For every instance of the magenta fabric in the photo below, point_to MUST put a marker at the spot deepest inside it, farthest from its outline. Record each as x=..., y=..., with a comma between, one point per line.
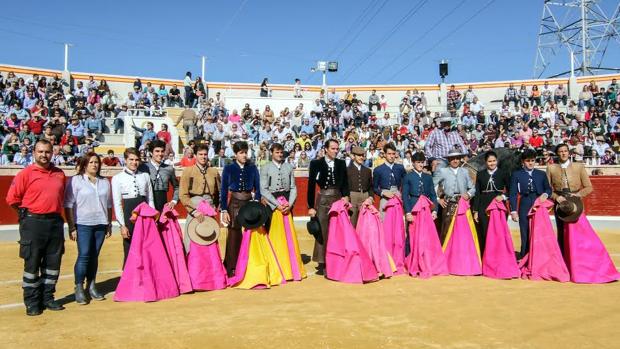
x=173, y=242
x=586, y=257
x=394, y=228
x=147, y=276
x=290, y=243
x=370, y=231
x=461, y=251
x=426, y=258
x=499, y=260
x=544, y=261
x=204, y=262
x=346, y=259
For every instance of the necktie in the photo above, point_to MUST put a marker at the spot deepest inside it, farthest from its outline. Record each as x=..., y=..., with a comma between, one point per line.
x=420, y=185
x=565, y=184
x=530, y=183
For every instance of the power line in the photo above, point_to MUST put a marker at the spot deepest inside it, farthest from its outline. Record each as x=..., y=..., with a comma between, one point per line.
x=440, y=41
x=231, y=20
x=362, y=27
x=403, y=52
x=415, y=9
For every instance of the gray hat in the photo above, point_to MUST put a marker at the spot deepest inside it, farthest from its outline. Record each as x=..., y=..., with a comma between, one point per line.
x=454, y=154
x=445, y=117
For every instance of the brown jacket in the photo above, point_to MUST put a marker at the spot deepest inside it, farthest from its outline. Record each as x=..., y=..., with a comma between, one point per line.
x=194, y=183
x=578, y=179
x=359, y=180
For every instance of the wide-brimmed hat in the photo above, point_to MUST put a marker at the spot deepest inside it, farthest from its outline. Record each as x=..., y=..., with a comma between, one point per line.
x=570, y=209
x=205, y=232
x=252, y=215
x=454, y=153
x=314, y=228
x=444, y=119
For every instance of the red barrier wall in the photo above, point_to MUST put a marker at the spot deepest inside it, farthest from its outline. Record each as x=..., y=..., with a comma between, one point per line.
x=602, y=201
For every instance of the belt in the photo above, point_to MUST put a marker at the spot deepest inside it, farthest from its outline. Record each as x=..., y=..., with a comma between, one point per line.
x=360, y=192
x=329, y=191
x=454, y=198
x=44, y=215
x=203, y=194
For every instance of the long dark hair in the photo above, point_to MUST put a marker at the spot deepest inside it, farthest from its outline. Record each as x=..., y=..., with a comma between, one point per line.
x=83, y=163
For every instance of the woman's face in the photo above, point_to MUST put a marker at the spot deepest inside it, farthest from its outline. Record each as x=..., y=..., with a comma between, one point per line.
x=93, y=165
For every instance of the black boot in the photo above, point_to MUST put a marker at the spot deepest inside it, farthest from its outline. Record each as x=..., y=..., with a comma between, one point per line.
x=94, y=293
x=33, y=310
x=53, y=305
x=80, y=295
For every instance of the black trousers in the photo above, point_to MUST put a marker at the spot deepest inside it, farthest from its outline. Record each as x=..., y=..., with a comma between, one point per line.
x=160, y=198
x=559, y=224
x=128, y=206
x=41, y=245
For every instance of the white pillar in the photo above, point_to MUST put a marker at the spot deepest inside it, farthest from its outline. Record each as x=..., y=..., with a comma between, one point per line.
x=203, y=68
x=66, y=57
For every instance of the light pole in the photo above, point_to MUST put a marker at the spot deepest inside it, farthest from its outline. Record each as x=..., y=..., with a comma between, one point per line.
x=324, y=67
x=204, y=59
x=67, y=56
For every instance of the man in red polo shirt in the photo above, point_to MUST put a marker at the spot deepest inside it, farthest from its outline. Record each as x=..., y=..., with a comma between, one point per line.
x=37, y=194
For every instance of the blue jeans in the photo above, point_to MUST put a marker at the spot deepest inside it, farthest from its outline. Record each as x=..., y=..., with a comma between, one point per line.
x=89, y=241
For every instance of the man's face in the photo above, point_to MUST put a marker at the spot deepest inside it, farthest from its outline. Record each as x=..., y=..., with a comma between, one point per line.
x=332, y=151
x=455, y=162
x=277, y=155
x=390, y=155
x=242, y=156
x=359, y=159
x=158, y=154
x=563, y=154
x=418, y=165
x=132, y=162
x=201, y=157
x=529, y=163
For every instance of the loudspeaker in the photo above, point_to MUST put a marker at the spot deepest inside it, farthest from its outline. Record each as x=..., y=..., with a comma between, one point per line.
x=443, y=69
x=332, y=66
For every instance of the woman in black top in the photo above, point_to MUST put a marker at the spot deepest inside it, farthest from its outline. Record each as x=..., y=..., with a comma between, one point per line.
x=264, y=89
x=492, y=183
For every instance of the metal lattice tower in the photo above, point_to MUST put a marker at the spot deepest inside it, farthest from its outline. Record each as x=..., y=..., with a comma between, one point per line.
x=579, y=29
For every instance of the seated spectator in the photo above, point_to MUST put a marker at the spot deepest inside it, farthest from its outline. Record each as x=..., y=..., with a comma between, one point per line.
x=511, y=95
x=188, y=158
x=164, y=134
x=111, y=159
x=609, y=158
x=57, y=158
x=600, y=145
x=586, y=98
x=26, y=133
x=23, y=157
x=523, y=95
x=11, y=147
x=560, y=94
x=454, y=98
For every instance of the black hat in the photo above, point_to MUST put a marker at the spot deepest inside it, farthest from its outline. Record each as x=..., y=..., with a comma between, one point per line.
x=252, y=215
x=570, y=209
x=314, y=228
x=418, y=156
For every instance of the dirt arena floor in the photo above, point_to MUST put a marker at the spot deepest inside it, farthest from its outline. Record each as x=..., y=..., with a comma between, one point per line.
x=403, y=312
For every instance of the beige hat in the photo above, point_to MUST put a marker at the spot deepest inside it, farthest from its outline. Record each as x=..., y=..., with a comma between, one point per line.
x=204, y=233
x=357, y=151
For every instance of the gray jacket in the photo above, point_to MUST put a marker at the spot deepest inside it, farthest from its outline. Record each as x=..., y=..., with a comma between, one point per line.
x=454, y=184
x=160, y=178
x=274, y=179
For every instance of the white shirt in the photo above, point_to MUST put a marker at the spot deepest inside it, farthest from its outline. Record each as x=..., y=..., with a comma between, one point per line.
x=129, y=185
x=330, y=163
x=80, y=195
x=565, y=164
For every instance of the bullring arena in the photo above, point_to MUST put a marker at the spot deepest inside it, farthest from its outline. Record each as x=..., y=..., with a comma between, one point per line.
x=440, y=174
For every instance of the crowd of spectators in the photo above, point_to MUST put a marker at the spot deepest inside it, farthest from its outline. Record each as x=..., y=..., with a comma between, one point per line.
x=529, y=117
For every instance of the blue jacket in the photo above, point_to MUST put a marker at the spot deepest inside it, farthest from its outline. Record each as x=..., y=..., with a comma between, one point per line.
x=230, y=181
x=411, y=190
x=382, y=178
x=519, y=185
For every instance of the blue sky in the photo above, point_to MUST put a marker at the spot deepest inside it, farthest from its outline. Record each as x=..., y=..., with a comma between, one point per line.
x=374, y=41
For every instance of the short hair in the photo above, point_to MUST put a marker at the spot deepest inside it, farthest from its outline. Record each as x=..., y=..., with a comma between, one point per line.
x=389, y=146
x=418, y=156
x=201, y=147
x=44, y=142
x=240, y=146
x=560, y=146
x=130, y=151
x=488, y=154
x=277, y=146
x=329, y=141
x=110, y=151
x=528, y=154
x=157, y=144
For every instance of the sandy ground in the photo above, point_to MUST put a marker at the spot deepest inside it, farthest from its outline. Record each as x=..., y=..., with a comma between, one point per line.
x=403, y=312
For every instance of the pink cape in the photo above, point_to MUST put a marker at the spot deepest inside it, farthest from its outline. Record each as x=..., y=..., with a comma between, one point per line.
x=370, y=232
x=461, y=245
x=499, y=260
x=586, y=256
x=426, y=258
x=345, y=257
x=173, y=242
x=394, y=228
x=204, y=262
x=147, y=276
x=544, y=260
